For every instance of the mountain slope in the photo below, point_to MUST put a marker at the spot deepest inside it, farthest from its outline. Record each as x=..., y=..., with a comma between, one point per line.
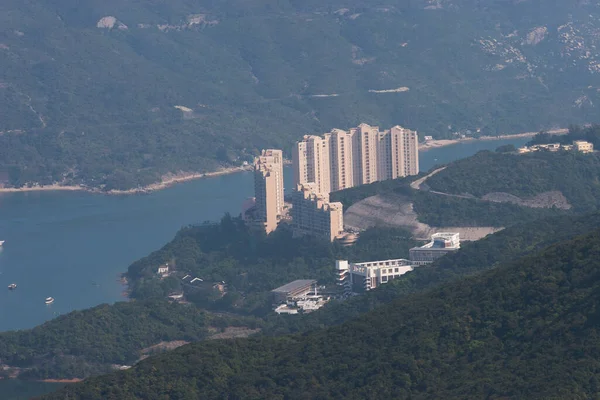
x=85, y=343
x=527, y=330
x=90, y=89
x=93, y=341
x=567, y=180
x=474, y=257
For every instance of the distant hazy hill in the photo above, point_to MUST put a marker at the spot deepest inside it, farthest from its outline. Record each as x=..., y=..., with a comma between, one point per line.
x=526, y=330
x=117, y=93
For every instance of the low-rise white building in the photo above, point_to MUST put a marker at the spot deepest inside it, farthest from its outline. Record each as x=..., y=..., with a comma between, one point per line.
x=583, y=146
x=578, y=145
x=163, y=270
x=441, y=244
x=360, y=277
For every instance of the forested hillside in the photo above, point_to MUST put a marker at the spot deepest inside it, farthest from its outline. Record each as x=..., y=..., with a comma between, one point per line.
x=572, y=178
x=251, y=263
x=525, y=330
x=590, y=134
x=497, y=188
x=474, y=257
x=89, y=342
x=85, y=343
x=114, y=94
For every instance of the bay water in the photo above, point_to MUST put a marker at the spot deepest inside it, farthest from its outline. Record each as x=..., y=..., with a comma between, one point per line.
x=73, y=246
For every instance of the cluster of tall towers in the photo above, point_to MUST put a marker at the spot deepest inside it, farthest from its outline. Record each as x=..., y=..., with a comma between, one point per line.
x=322, y=164
x=343, y=159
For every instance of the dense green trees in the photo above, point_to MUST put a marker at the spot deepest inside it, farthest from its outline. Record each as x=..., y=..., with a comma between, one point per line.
x=88, y=342
x=252, y=263
x=473, y=257
x=440, y=211
x=97, y=106
x=527, y=329
x=575, y=175
x=590, y=134
x=353, y=195
x=85, y=343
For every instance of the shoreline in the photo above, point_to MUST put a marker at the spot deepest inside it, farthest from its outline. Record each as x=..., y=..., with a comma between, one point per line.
x=172, y=179
x=437, y=143
x=167, y=181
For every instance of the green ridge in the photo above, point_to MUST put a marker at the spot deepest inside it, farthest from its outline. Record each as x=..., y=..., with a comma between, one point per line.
x=526, y=330
x=95, y=106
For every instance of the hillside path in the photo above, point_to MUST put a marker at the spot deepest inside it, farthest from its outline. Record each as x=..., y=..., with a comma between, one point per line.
x=397, y=211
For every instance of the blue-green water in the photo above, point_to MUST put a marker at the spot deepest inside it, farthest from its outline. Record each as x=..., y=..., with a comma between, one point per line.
x=22, y=390
x=73, y=245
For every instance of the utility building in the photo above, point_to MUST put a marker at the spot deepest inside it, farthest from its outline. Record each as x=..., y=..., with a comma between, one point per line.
x=441, y=244
x=365, y=276
x=296, y=288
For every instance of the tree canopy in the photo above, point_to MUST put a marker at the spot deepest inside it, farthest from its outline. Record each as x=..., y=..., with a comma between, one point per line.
x=115, y=94
x=526, y=329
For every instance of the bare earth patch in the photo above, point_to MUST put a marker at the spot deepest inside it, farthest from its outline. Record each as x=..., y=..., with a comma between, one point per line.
x=397, y=211
x=543, y=200
x=162, y=347
x=233, y=332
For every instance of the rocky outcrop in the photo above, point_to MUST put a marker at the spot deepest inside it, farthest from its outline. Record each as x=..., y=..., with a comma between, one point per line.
x=110, y=22
x=397, y=211
x=536, y=35
x=553, y=199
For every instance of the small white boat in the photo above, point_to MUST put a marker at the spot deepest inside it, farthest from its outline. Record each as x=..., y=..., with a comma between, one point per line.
x=1, y=242
x=12, y=286
x=49, y=300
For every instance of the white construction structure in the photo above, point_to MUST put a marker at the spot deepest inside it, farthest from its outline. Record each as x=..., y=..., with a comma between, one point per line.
x=361, y=277
x=441, y=244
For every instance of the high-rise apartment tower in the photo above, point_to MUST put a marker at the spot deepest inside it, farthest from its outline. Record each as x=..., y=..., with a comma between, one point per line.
x=313, y=214
x=311, y=162
x=343, y=159
x=268, y=188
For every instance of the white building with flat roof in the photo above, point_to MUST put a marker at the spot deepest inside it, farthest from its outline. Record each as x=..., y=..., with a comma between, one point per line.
x=578, y=145
x=441, y=244
x=583, y=146
x=297, y=288
x=361, y=277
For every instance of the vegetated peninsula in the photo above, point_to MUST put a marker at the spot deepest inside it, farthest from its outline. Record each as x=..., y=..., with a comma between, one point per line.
x=488, y=190
x=234, y=268
x=524, y=330
x=563, y=180
x=119, y=94
x=87, y=343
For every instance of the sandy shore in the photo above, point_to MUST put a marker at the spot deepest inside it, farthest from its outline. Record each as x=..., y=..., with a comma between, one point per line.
x=45, y=188
x=73, y=380
x=167, y=181
x=434, y=144
x=172, y=179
